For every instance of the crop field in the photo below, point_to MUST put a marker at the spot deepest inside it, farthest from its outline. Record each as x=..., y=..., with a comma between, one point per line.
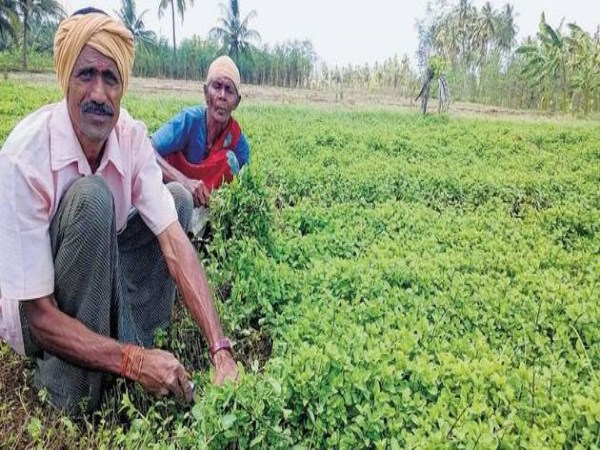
x=389, y=281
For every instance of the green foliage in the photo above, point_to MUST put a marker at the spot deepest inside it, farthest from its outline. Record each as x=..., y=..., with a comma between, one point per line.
x=465, y=35
x=243, y=224
x=18, y=101
x=29, y=25
x=563, y=70
x=176, y=6
x=552, y=72
x=8, y=19
x=36, y=61
x=42, y=15
x=438, y=65
x=425, y=282
x=243, y=210
x=289, y=64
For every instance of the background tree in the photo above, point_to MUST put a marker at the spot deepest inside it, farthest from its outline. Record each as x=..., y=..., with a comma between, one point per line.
x=477, y=43
x=563, y=70
x=8, y=21
x=545, y=64
x=144, y=39
x=426, y=29
x=181, y=8
x=468, y=37
x=233, y=32
x=435, y=69
x=506, y=32
x=41, y=36
x=35, y=11
x=485, y=31
x=584, y=59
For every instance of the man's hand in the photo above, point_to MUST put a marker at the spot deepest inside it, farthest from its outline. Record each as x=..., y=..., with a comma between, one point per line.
x=199, y=191
x=162, y=374
x=225, y=367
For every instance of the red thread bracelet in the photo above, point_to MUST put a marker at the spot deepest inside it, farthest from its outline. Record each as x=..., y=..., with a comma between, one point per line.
x=132, y=360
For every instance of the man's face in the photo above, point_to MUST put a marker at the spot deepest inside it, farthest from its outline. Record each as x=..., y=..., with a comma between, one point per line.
x=221, y=99
x=94, y=97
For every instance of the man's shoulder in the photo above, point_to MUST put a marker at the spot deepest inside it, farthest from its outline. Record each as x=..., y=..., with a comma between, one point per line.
x=38, y=118
x=127, y=121
x=129, y=129
x=31, y=133
x=44, y=112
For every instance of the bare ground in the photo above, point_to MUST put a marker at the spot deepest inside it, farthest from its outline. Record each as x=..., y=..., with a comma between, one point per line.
x=14, y=395
x=328, y=98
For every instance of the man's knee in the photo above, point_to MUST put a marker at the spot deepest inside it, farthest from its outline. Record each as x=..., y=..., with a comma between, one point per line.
x=184, y=204
x=91, y=201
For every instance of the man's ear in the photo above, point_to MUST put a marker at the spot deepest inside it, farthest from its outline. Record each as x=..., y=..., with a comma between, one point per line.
x=239, y=99
x=205, y=93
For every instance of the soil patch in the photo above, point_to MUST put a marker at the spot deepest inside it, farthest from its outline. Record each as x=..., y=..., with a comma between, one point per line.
x=327, y=98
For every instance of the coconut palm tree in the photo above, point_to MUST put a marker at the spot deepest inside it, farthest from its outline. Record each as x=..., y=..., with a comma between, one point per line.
x=143, y=38
x=485, y=30
x=233, y=32
x=466, y=18
x=181, y=8
x=8, y=19
x=507, y=30
x=35, y=10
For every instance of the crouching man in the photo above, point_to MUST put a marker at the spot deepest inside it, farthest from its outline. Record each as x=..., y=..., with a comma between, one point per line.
x=93, y=243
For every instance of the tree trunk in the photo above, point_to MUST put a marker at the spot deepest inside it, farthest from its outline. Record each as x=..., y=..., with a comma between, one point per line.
x=174, y=71
x=25, y=25
x=586, y=97
x=424, y=93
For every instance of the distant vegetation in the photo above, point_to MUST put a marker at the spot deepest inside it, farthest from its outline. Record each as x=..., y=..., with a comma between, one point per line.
x=558, y=70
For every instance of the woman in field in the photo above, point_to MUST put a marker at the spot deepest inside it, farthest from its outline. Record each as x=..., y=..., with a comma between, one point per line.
x=203, y=146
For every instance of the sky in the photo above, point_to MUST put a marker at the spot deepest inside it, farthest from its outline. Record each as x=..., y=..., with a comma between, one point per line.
x=346, y=31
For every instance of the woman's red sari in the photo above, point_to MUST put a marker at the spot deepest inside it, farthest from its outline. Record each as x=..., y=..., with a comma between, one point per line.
x=215, y=168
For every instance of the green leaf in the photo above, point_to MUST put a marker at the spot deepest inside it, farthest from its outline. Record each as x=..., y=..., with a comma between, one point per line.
x=228, y=420
x=257, y=440
x=276, y=386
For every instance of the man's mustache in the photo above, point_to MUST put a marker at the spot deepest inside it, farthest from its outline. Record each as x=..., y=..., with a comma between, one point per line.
x=97, y=108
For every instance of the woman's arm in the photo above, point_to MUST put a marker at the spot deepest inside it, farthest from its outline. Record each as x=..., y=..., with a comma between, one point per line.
x=196, y=187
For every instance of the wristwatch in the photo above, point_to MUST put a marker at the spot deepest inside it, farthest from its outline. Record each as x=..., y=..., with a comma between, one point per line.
x=222, y=344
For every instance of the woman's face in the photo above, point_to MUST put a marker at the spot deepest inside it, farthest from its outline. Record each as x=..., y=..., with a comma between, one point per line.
x=221, y=99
